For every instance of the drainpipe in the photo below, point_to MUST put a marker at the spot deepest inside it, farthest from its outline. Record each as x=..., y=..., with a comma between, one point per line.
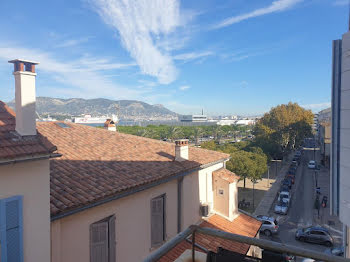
x=179, y=203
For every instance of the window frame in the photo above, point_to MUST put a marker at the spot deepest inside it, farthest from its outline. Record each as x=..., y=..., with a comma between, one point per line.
x=112, y=250
x=155, y=245
x=3, y=227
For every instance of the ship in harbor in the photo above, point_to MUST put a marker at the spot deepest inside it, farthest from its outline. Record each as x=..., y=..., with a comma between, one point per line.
x=88, y=119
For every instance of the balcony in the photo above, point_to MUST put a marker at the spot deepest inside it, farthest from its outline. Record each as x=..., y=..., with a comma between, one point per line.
x=271, y=250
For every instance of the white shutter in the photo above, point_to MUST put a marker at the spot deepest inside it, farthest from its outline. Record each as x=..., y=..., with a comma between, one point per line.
x=157, y=221
x=99, y=242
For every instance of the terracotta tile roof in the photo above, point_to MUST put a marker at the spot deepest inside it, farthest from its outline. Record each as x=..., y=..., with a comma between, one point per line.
x=226, y=175
x=243, y=225
x=97, y=163
x=12, y=145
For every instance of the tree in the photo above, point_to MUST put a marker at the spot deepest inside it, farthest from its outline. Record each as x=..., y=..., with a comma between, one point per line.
x=241, y=164
x=197, y=133
x=248, y=164
x=211, y=145
x=175, y=132
x=283, y=129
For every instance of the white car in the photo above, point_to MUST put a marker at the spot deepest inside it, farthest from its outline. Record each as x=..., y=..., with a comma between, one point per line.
x=312, y=164
x=282, y=208
x=284, y=196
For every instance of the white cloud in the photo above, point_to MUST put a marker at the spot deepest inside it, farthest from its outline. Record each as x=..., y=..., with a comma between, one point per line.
x=183, y=88
x=241, y=84
x=316, y=107
x=341, y=2
x=192, y=55
x=82, y=74
x=147, y=83
x=140, y=25
x=183, y=108
x=242, y=55
x=72, y=42
x=276, y=6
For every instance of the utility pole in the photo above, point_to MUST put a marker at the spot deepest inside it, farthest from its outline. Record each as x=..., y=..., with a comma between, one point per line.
x=253, y=191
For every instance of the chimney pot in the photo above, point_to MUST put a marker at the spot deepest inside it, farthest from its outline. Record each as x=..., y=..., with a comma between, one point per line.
x=110, y=125
x=25, y=96
x=181, y=150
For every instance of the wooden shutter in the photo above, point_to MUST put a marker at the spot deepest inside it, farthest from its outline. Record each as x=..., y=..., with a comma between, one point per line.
x=157, y=221
x=112, y=239
x=99, y=242
x=11, y=229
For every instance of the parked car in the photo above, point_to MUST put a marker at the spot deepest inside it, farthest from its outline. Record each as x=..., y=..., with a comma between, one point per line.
x=312, y=164
x=287, y=182
x=295, y=163
x=283, y=196
x=282, y=208
x=269, y=225
x=335, y=251
x=284, y=188
x=317, y=235
x=291, y=171
x=292, y=177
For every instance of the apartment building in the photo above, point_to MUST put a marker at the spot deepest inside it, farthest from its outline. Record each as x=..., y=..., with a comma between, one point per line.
x=24, y=175
x=340, y=148
x=109, y=196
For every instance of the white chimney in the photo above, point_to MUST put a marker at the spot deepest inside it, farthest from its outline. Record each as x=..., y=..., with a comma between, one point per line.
x=24, y=72
x=110, y=125
x=181, y=150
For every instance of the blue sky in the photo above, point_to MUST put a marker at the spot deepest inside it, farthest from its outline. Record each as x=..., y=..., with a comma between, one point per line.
x=227, y=57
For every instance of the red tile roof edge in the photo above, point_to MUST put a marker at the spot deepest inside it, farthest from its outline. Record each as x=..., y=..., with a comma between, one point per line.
x=216, y=242
x=124, y=193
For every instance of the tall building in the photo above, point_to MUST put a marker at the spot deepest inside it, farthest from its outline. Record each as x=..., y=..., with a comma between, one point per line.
x=335, y=145
x=340, y=150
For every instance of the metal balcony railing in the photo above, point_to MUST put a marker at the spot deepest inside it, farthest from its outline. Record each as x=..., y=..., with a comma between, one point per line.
x=264, y=244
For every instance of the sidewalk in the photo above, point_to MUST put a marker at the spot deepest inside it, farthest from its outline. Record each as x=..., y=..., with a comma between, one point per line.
x=325, y=218
x=265, y=204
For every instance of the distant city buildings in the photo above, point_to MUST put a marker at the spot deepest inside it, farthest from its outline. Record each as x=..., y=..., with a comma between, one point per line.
x=193, y=118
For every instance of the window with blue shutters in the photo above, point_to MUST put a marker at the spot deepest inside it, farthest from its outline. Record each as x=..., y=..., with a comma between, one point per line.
x=11, y=229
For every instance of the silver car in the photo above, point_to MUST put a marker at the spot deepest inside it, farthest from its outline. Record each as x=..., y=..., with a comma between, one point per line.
x=318, y=235
x=269, y=225
x=284, y=196
x=282, y=208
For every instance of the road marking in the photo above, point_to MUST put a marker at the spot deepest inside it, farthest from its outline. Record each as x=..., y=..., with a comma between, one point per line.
x=333, y=229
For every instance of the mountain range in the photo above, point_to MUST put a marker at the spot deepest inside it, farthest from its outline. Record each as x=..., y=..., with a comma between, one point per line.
x=125, y=109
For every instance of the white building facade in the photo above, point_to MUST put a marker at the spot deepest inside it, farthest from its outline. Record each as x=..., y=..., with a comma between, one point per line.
x=340, y=149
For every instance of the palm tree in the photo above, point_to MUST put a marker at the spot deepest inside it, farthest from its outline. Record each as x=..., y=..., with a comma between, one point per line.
x=175, y=132
x=198, y=132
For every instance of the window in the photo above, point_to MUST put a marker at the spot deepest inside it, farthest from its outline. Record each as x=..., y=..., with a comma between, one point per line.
x=320, y=233
x=11, y=229
x=102, y=240
x=267, y=223
x=220, y=192
x=157, y=220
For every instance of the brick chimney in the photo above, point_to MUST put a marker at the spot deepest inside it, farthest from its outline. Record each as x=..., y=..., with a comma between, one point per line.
x=24, y=72
x=110, y=125
x=181, y=150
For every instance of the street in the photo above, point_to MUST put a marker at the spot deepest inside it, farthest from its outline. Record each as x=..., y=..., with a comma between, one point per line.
x=302, y=212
